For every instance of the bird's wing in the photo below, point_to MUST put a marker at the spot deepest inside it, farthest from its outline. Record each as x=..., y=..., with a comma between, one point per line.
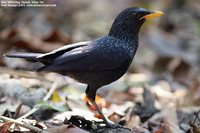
x=107, y=60
x=88, y=58
x=49, y=57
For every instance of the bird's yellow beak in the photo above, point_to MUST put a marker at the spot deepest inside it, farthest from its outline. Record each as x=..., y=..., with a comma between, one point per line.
x=154, y=14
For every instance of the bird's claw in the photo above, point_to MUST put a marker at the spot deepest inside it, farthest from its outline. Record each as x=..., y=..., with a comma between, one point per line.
x=109, y=125
x=113, y=125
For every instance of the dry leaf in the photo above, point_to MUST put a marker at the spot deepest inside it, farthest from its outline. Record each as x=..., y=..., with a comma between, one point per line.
x=56, y=36
x=5, y=127
x=56, y=97
x=99, y=100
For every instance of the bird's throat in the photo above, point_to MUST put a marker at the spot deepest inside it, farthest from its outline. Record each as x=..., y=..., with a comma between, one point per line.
x=125, y=35
x=125, y=32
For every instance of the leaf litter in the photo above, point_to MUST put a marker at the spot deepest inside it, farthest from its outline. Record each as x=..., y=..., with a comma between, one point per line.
x=158, y=95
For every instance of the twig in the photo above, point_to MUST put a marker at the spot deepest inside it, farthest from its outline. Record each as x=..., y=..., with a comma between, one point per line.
x=35, y=108
x=51, y=90
x=21, y=73
x=31, y=128
x=197, y=116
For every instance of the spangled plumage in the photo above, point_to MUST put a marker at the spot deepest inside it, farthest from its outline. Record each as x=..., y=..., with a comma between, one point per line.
x=89, y=57
x=98, y=62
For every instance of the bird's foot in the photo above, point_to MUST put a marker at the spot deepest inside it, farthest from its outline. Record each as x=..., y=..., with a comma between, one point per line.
x=109, y=124
x=114, y=125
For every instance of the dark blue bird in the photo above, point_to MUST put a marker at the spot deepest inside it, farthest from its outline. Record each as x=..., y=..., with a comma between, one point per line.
x=101, y=61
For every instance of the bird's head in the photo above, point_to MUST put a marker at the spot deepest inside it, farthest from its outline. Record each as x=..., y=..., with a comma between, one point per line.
x=128, y=22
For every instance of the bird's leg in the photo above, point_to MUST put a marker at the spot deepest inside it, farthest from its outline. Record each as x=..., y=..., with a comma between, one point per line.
x=100, y=112
x=91, y=94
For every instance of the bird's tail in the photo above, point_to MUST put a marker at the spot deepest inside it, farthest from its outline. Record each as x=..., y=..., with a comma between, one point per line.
x=28, y=56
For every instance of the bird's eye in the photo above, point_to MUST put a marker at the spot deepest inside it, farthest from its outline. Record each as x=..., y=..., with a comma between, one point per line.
x=133, y=15
x=137, y=15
